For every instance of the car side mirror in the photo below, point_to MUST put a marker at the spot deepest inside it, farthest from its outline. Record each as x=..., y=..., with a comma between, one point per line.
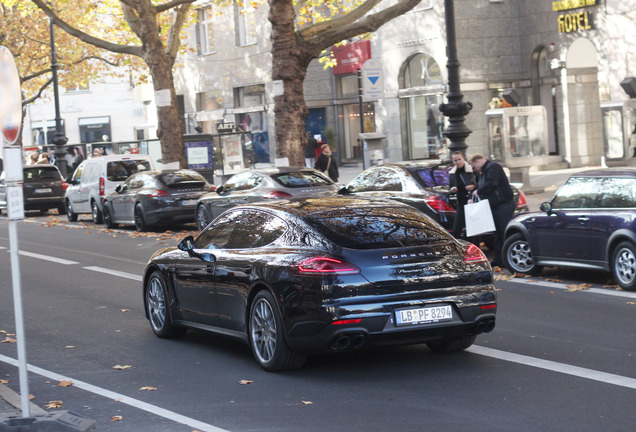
x=219, y=190
x=546, y=207
x=344, y=190
x=118, y=189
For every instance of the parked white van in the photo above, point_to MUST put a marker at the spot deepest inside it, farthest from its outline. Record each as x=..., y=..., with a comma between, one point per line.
x=97, y=177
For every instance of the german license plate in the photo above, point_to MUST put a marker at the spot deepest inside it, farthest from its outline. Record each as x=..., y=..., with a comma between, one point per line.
x=188, y=203
x=430, y=314
x=44, y=190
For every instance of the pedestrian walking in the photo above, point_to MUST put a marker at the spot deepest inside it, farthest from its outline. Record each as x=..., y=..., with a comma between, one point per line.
x=52, y=157
x=462, y=183
x=310, y=150
x=493, y=185
x=326, y=163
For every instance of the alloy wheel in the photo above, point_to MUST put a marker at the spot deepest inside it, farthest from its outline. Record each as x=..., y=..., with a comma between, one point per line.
x=520, y=256
x=263, y=331
x=156, y=303
x=625, y=266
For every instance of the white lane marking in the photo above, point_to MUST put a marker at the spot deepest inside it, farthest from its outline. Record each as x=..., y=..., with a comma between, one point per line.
x=47, y=258
x=562, y=286
x=563, y=368
x=136, y=403
x=115, y=273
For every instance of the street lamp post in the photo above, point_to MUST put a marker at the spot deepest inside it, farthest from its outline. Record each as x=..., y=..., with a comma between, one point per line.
x=455, y=109
x=59, y=139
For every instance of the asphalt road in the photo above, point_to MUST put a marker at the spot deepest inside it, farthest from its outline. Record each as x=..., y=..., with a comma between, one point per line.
x=562, y=357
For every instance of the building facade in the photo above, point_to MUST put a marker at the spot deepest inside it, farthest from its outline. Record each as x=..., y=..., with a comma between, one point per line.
x=568, y=57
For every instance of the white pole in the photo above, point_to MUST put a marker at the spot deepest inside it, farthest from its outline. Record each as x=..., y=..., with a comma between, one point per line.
x=566, y=115
x=19, y=320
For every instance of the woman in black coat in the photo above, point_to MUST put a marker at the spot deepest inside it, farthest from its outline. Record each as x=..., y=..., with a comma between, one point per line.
x=326, y=163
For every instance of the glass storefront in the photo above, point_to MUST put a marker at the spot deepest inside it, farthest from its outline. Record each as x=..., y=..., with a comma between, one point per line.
x=421, y=95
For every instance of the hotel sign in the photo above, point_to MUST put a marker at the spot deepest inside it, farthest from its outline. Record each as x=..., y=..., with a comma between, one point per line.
x=570, y=22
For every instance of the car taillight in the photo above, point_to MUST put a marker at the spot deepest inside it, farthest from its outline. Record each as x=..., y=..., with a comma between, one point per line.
x=347, y=321
x=326, y=265
x=474, y=255
x=158, y=194
x=64, y=185
x=438, y=204
x=523, y=203
x=276, y=195
x=102, y=187
x=212, y=188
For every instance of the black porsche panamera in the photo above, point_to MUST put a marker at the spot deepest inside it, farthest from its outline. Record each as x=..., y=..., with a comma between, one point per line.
x=292, y=277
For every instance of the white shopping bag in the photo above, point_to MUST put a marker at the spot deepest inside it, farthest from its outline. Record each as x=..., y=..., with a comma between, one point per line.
x=478, y=218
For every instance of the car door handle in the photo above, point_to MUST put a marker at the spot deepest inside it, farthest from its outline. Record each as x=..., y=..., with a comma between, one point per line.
x=247, y=269
x=209, y=269
x=583, y=219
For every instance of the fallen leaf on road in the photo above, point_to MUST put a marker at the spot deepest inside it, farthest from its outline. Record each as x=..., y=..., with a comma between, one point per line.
x=3, y=381
x=630, y=303
x=65, y=383
x=8, y=340
x=31, y=397
x=120, y=367
x=124, y=310
x=69, y=346
x=579, y=287
x=53, y=404
x=116, y=418
x=148, y=388
x=554, y=280
x=551, y=292
x=502, y=277
x=243, y=382
x=307, y=402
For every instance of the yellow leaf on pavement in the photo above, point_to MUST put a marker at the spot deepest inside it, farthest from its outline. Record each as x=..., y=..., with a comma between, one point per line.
x=53, y=404
x=120, y=367
x=65, y=383
x=243, y=382
x=116, y=418
x=148, y=388
x=8, y=340
x=3, y=381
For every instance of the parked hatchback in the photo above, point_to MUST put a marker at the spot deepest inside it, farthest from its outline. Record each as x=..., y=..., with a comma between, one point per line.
x=590, y=223
x=97, y=177
x=151, y=198
x=43, y=188
x=423, y=185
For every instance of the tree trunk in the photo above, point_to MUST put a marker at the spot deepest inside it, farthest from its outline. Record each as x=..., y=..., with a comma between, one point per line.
x=170, y=127
x=290, y=61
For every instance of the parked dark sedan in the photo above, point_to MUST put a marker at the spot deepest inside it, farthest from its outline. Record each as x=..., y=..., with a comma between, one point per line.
x=263, y=184
x=150, y=198
x=590, y=224
x=423, y=185
x=291, y=277
x=43, y=188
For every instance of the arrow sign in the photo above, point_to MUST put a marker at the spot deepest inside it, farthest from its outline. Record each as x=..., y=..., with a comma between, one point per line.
x=10, y=96
x=372, y=82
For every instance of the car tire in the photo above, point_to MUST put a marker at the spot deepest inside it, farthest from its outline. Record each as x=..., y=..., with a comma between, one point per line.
x=624, y=265
x=156, y=301
x=140, y=221
x=517, y=255
x=96, y=213
x=72, y=217
x=450, y=345
x=108, y=218
x=202, y=217
x=266, y=336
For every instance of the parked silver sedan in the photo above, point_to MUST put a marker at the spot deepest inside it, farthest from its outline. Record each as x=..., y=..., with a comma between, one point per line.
x=263, y=184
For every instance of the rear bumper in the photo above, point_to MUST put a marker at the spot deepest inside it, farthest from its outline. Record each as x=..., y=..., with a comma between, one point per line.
x=169, y=215
x=473, y=314
x=43, y=203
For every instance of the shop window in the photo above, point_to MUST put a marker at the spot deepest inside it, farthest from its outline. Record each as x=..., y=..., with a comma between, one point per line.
x=94, y=129
x=205, y=31
x=421, y=70
x=250, y=96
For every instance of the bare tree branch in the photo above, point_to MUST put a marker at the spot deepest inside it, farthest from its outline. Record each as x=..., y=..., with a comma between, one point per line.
x=311, y=30
x=173, y=3
x=180, y=16
x=39, y=93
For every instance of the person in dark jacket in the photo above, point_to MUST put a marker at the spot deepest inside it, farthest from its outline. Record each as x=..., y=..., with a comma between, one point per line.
x=310, y=150
x=494, y=186
x=326, y=163
x=462, y=183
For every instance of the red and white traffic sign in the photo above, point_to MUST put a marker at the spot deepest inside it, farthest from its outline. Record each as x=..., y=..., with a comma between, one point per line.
x=10, y=96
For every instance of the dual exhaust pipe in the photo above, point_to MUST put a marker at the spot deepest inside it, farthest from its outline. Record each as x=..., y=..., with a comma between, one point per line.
x=348, y=341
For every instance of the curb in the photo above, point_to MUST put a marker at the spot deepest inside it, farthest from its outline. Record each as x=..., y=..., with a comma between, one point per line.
x=10, y=403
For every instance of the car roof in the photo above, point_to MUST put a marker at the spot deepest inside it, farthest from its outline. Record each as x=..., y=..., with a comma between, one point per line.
x=118, y=157
x=308, y=206
x=429, y=163
x=277, y=170
x=608, y=172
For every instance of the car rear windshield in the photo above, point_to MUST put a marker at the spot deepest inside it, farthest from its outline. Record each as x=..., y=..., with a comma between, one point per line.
x=433, y=176
x=39, y=174
x=377, y=228
x=121, y=170
x=181, y=178
x=299, y=179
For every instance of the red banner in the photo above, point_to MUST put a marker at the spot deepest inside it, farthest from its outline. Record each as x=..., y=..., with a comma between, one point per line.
x=351, y=57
